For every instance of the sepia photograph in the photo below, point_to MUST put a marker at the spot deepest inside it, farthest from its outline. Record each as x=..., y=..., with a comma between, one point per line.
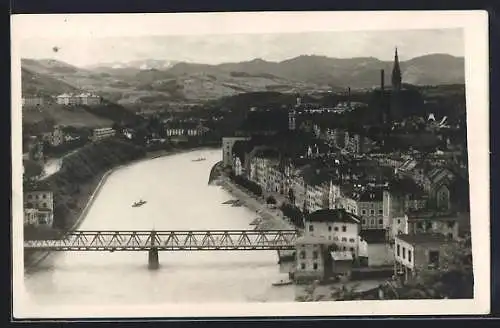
x=250, y=164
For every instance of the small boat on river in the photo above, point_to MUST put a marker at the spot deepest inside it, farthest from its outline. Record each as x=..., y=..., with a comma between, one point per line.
x=139, y=203
x=199, y=159
x=282, y=283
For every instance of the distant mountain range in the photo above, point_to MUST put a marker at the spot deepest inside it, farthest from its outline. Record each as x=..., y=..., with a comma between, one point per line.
x=137, y=64
x=151, y=81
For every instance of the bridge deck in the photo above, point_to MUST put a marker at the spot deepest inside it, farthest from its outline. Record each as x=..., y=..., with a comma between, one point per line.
x=222, y=240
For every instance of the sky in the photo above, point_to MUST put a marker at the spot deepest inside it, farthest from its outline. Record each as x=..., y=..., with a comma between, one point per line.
x=83, y=41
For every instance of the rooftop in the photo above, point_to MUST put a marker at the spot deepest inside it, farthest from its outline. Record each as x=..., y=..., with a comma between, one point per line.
x=341, y=256
x=332, y=215
x=427, y=215
x=423, y=238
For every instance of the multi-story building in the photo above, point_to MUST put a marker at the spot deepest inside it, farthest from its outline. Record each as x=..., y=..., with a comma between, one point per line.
x=367, y=203
x=56, y=137
x=237, y=166
x=311, y=258
x=399, y=198
x=189, y=129
x=88, y=99
x=317, y=188
x=444, y=223
x=41, y=199
x=416, y=252
x=30, y=217
x=264, y=170
x=32, y=101
x=102, y=133
x=339, y=227
x=357, y=144
x=42, y=204
x=69, y=99
x=334, y=194
x=227, y=148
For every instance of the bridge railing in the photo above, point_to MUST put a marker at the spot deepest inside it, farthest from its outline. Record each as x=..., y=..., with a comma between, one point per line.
x=170, y=240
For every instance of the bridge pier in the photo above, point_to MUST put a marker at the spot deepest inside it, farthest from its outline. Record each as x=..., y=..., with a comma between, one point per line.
x=153, y=260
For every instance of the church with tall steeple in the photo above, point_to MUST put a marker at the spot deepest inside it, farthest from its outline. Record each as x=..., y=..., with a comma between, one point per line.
x=396, y=73
x=396, y=101
x=394, y=106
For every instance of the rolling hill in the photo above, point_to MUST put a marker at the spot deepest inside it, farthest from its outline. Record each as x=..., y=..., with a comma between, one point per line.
x=158, y=82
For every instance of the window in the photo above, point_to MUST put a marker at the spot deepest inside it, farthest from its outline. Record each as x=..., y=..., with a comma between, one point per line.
x=364, y=221
x=315, y=266
x=302, y=254
x=450, y=235
x=344, y=228
x=404, y=253
x=372, y=212
x=380, y=212
x=451, y=224
x=336, y=238
x=44, y=196
x=311, y=228
x=372, y=222
x=434, y=258
x=363, y=212
x=329, y=228
x=380, y=221
x=315, y=255
x=44, y=205
x=344, y=239
x=336, y=228
x=352, y=240
x=37, y=196
x=397, y=250
x=399, y=221
x=409, y=255
x=351, y=249
x=302, y=266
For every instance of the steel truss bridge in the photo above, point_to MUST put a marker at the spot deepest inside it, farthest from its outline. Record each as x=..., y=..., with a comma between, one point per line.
x=153, y=241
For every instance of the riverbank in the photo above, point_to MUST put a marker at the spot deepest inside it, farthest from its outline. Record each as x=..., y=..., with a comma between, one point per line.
x=89, y=192
x=271, y=219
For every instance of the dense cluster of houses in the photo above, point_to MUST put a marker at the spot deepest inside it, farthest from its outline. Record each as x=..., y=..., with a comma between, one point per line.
x=66, y=99
x=410, y=200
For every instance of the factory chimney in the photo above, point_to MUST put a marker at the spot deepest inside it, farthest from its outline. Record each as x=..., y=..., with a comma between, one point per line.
x=382, y=80
x=349, y=97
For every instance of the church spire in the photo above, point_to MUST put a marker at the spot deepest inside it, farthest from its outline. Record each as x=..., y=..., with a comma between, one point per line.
x=396, y=72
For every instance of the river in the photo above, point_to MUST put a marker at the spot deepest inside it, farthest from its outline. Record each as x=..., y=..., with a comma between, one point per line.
x=178, y=198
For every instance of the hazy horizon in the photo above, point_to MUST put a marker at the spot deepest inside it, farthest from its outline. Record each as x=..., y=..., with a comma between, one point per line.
x=87, y=51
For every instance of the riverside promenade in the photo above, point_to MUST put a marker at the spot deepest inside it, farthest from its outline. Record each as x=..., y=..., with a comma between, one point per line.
x=272, y=219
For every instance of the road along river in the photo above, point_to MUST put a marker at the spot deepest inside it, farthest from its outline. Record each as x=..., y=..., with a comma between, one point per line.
x=178, y=198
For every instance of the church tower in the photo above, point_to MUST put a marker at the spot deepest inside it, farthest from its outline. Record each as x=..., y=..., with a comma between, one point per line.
x=396, y=73
x=394, y=110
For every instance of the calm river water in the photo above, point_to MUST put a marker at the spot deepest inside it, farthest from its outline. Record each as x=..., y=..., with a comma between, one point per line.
x=178, y=198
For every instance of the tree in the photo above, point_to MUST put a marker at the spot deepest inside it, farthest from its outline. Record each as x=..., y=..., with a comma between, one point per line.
x=270, y=200
x=32, y=169
x=454, y=278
